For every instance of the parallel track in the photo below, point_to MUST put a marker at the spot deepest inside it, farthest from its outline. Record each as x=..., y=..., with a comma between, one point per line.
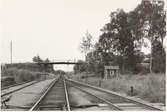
x=116, y=101
x=17, y=89
x=14, y=85
x=98, y=100
x=54, y=98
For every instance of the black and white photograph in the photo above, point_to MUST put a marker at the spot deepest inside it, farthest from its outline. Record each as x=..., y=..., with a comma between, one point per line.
x=83, y=55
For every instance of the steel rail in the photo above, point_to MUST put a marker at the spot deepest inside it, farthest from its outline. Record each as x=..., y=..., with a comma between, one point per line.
x=35, y=106
x=142, y=103
x=102, y=99
x=66, y=95
x=14, y=85
x=18, y=89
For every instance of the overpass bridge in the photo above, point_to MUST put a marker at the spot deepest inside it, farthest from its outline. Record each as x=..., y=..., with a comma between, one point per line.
x=53, y=62
x=60, y=62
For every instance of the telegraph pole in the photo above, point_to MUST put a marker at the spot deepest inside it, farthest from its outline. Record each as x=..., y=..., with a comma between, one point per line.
x=11, y=51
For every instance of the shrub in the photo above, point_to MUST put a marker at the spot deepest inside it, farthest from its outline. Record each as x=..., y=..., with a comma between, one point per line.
x=150, y=87
x=22, y=75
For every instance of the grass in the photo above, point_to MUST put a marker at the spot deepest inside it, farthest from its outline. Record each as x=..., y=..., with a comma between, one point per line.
x=149, y=87
x=14, y=75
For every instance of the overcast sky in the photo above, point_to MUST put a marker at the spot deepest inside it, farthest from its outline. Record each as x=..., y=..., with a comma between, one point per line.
x=52, y=28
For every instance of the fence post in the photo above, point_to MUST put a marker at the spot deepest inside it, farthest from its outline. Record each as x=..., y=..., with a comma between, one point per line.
x=131, y=90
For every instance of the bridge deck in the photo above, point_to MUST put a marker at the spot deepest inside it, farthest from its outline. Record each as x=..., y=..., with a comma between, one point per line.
x=59, y=63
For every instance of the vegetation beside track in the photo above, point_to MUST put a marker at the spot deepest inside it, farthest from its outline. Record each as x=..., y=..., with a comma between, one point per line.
x=24, y=72
x=15, y=76
x=120, y=44
x=150, y=87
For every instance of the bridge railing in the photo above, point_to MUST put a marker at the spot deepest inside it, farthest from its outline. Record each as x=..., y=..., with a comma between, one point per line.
x=55, y=60
x=61, y=60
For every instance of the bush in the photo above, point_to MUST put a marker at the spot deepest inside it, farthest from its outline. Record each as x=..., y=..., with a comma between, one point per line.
x=22, y=75
x=150, y=87
x=154, y=88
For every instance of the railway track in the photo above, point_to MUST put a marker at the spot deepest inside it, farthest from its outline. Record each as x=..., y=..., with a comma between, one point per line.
x=111, y=99
x=14, y=88
x=54, y=98
x=14, y=85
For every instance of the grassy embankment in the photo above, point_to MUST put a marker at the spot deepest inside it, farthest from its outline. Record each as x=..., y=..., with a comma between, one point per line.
x=150, y=87
x=21, y=73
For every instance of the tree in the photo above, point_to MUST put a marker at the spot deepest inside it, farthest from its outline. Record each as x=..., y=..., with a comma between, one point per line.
x=151, y=17
x=86, y=44
x=43, y=67
x=80, y=67
x=158, y=55
x=59, y=72
x=117, y=40
x=47, y=60
x=123, y=37
x=37, y=59
x=48, y=67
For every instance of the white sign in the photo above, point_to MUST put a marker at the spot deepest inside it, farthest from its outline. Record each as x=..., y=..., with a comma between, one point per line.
x=111, y=67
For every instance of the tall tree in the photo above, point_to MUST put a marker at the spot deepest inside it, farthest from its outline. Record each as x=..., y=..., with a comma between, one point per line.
x=159, y=59
x=86, y=44
x=152, y=24
x=117, y=39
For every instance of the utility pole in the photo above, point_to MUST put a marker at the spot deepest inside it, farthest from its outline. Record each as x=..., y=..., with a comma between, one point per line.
x=11, y=51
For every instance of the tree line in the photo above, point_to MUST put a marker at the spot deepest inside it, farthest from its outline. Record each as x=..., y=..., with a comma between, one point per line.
x=43, y=67
x=122, y=39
